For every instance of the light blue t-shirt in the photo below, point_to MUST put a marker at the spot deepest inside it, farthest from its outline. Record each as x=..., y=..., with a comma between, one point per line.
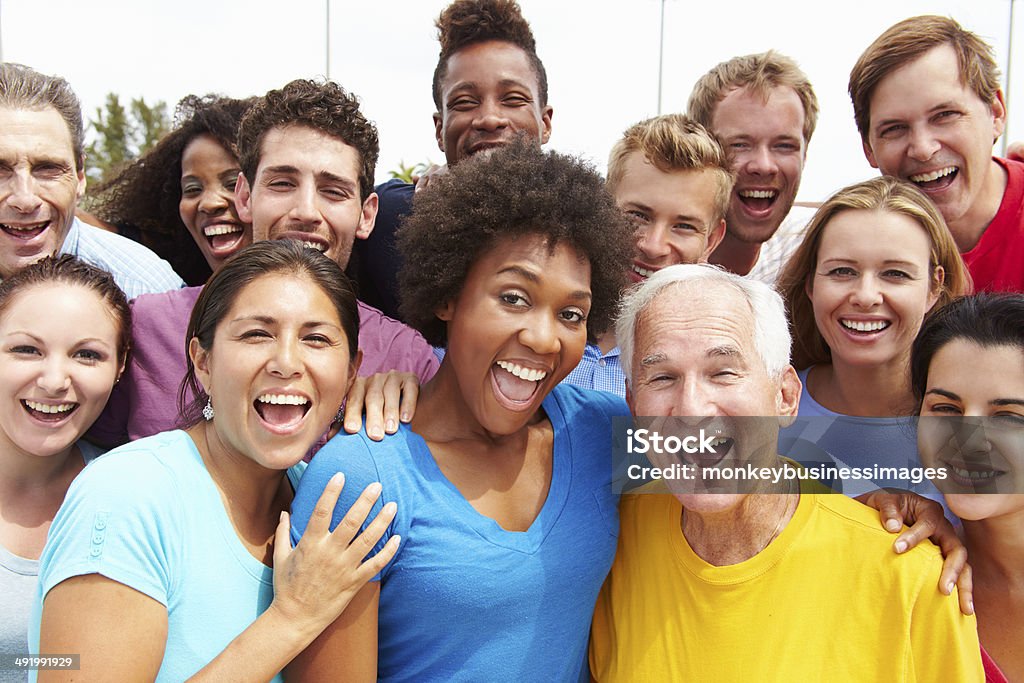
x=463, y=599
x=149, y=516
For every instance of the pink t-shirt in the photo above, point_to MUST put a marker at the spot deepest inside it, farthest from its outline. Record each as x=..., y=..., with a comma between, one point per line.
x=997, y=261
x=145, y=401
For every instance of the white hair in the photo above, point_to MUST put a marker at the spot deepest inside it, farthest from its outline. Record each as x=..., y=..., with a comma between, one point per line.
x=771, y=328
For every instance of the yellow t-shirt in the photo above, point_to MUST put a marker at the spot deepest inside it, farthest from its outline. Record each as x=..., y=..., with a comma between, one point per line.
x=827, y=600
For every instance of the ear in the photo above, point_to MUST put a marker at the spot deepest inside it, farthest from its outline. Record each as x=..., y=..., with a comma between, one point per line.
x=998, y=115
x=367, y=217
x=629, y=398
x=868, y=153
x=938, y=279
x=445, y=312
x=714, y=239
x=809, y=285
x=243, y=198
x=545, y=120
x=439, y=130
x=788, y=398
x=80, y=191
x=353, y=370
x=201, y=361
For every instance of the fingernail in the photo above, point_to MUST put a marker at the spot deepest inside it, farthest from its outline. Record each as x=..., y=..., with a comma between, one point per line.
x=406, y=417
x=336, y=478
x=390, y=508
x=281, y=518
x=374, y=489
x=949, y=587
x=376, y=433
x=892, y=525
x=391, y=427
x=900, y=546
x=970, y=606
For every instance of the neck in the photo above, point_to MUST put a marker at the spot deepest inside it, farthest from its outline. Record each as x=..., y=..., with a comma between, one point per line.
x=735, y=256
x=24, y=473
x=738, y=534
x=606, y=341
x=244, y=485
x=996, y=548
x=879, y=391
x=968, y=229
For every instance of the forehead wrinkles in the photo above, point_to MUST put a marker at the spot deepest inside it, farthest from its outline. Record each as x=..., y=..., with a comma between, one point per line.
x=692, y=310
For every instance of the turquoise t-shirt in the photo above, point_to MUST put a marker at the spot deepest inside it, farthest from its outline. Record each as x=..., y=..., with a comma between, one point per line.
x=149, y=516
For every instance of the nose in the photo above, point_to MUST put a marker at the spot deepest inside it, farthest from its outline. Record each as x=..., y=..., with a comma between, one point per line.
x=22, y=192
x=971, y=436
x=490, y=116
x=867, y=292
x=652, y=241
x=54, y=378
x=923, y=144
x=761, y=161
x=304, y=208
x=539, y=333
x=286, y=359
x=212, y=201
x=693, y=399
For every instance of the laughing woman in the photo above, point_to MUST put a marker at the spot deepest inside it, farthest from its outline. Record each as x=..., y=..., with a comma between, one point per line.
x=58, y=370
x=968, y=362
x=169, y=558
x=877, y=259
x=503, y=479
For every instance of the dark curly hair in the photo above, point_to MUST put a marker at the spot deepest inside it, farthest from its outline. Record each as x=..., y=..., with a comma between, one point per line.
x=324, y=107
x=465, y=22
x=516, y=191
x=145, y=195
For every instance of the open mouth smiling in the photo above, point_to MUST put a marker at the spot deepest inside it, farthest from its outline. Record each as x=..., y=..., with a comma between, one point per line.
x=935, y=180
x=25, y=231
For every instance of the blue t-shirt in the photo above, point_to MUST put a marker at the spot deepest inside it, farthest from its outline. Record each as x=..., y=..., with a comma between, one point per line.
x=149, y=516
x=463, y=599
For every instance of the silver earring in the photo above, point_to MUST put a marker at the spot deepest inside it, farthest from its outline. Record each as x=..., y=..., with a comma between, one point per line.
x=339, y=417
x=208, y=410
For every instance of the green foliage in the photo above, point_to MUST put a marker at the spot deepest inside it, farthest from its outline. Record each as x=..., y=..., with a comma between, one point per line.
x=121, y=135
x=406, y=173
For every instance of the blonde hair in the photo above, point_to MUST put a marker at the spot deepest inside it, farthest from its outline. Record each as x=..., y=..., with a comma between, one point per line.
x=760, y=73
x=884, y=193
x=674, y=142
x=905, y=42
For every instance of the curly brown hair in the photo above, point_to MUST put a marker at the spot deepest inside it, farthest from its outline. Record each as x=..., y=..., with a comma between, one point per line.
x=145, y=195
x=515, y=191
x=466, y=22
x=324, y=107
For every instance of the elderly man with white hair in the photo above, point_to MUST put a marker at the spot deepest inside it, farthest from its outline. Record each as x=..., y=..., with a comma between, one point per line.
x=760, y=583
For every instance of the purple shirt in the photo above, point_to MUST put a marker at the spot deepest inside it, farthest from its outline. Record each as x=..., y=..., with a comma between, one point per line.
x=145, y=401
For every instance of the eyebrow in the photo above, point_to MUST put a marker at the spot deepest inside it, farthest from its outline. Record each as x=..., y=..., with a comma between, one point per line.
x=268, y=320
x=724, y=351
x=39, y=340
x=503, y=83
x=526, y=274
x=886, y=262
x=653, y=359
x=994, y=402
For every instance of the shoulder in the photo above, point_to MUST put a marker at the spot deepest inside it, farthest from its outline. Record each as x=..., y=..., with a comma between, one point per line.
x=137, y=269
x=577, y=403
x=388, y=344
x=148, y=469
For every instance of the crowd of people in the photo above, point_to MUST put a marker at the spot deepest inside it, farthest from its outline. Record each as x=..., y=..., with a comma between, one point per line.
x=267, y=421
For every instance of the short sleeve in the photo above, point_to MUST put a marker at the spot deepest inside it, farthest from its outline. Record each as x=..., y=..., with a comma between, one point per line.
x=121, y=519
x=351, y=455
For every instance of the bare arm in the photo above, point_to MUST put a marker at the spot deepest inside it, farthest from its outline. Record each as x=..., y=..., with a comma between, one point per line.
x=122, y=633
x=349, y=644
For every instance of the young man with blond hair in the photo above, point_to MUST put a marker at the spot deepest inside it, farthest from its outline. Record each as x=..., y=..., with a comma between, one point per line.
x=763, y=110
x=929, y=107
x=673, y=179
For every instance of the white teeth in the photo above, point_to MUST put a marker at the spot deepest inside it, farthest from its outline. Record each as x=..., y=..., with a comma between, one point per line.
x=521, y=372
x=319, y=246
x=932, y=175
x=221, y=229
x=643, y=272
x=24, y=228
x=719, y=441
x=758, y=194
x=52, y=409
x=283, y=399
x=974, y=474
x=872, y=326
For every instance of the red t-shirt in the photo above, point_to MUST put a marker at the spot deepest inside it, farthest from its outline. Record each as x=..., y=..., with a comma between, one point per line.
x=997, y=261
